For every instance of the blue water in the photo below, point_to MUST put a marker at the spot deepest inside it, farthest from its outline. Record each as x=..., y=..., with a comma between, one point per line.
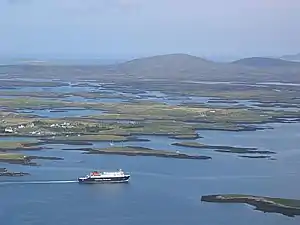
x=161, y=191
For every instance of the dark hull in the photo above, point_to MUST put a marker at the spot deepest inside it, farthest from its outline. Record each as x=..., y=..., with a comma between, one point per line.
x=104, y=180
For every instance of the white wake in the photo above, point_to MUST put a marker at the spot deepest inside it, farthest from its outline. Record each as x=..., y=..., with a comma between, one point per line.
x=39, y=182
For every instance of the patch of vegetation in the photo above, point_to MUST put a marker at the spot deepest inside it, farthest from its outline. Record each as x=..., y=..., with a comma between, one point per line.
x=218, y=148
x=14, y=145
x=30, y=103
x=257, y=157
x=89, y=138
x=140, y=151
x=15, y=159
x=226, y=101
x=11, y=156
x=142, y=118
x=287, y=207
x=243, y=151
x=27, y=83
x=5, y=173
x=23, y=159
x=37, y=95
x=186, y=136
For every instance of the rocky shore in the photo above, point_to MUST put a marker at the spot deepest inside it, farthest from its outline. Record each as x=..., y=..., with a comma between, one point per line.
x=287, y=207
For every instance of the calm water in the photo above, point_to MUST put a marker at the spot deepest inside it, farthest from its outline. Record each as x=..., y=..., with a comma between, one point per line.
x=162, y=191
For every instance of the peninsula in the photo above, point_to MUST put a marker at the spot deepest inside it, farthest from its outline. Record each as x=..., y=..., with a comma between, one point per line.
x=287, y=207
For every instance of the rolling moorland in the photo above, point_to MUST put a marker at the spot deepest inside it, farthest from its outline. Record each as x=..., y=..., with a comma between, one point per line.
x=176, y=66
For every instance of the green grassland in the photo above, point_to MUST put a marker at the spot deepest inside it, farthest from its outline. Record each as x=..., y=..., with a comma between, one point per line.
x=146, y=118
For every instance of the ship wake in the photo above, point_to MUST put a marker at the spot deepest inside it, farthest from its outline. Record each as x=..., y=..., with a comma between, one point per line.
x=39, y=182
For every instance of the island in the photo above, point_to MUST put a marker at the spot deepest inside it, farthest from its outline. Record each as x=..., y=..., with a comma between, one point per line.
x=287, y=207
x=13, y=158
x=19, y=145
x=5, y=173
x=125, y=119
x=219, y=148
x=257, y=157
x=186, y=136
x=141, y=151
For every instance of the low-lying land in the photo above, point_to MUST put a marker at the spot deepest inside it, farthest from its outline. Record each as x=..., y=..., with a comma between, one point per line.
x=18, y=146
x=218, y=148
x=5, y=173
x=287, y=207
x=257, y=157
x=186, y=136
x=95, y=137
x=13, y=158
x=225, y=101
x=141, y=118
x=140, y=151
x=110, y=125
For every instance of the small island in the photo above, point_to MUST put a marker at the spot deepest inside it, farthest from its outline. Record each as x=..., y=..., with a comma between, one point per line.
x=257, y=157
x=88, y=139
x=13, y=158
x=140, y=151
x=287, y=207
x=219, y=148
x=5, y=173
x=186, y=136
x=19, y=146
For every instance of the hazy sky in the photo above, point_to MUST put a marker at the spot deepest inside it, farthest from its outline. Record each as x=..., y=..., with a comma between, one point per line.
x=148, y=27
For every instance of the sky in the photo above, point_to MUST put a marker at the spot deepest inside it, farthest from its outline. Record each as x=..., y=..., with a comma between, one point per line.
x=121, y=28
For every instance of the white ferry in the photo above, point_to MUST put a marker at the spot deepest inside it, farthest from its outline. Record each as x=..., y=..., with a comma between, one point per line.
x=105, y=177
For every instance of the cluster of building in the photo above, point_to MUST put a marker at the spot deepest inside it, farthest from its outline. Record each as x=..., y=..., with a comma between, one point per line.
x=63, y=125
x=16, y=129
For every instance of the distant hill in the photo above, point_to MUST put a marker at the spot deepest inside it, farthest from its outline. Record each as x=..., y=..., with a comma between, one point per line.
x=173, y=67
x=260, y=62
x=173, y=63
x=164, y=61
x=295, y=57
x=178, y=66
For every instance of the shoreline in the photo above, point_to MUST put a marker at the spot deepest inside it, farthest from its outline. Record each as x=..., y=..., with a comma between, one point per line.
x=285, y=207
x=141, y=151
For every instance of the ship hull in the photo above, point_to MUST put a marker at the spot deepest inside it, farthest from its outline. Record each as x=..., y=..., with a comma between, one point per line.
x=90, y=180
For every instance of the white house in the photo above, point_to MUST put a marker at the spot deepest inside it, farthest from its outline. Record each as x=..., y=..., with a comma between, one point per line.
x=8, y=130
